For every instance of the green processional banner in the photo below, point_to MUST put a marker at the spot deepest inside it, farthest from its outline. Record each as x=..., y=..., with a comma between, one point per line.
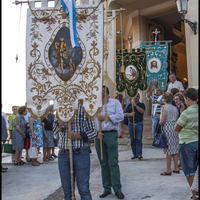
x=133, y=75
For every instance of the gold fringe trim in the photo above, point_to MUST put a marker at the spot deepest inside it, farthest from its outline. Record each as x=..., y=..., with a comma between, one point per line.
x=94, y=116
x=136, y=93
x=61, y=123
x=35, y=116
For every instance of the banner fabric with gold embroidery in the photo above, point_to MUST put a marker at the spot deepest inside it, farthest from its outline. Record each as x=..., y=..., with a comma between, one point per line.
x=109, y=72
x=56, y=71
x=134, y=76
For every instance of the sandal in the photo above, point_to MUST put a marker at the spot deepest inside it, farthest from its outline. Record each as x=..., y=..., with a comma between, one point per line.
x=19, y=163
x=177, y=172
x=28, y=159
x=39, y=162
x=165, y=173
x=35, y=164
x=22, y=162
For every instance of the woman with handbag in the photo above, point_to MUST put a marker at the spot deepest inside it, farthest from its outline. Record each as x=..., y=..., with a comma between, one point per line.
x=36, y=136
x=168, y=118
x=18, y=135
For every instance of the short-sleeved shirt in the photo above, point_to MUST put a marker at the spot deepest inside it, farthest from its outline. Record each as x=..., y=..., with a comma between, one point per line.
x=138, y=116
x=176, y=84
x=189, y=121
x=10, y=120
x=48, y=124
x=158, y=107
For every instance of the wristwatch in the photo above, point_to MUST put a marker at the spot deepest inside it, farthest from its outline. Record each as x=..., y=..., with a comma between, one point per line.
x=136, y=105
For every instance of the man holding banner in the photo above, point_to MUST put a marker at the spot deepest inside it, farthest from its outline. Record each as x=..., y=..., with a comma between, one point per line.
x=136, y=140
x=82, y=131
x=109, y=164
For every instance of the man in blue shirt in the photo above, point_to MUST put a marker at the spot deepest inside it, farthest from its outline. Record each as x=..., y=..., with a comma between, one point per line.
x=109, y=165
x=136, y=142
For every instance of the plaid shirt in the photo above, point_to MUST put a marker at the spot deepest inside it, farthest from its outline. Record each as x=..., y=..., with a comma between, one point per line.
x=81, y=125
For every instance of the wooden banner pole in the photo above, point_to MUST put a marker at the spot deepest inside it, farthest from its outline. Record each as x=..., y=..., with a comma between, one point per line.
x=133, y=120
x=101, y=149
x=71, y=165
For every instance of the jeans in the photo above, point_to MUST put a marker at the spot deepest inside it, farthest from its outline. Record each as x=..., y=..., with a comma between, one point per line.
x=81, y=162
x=187, y=153
x=155, y=121
x=136, y=142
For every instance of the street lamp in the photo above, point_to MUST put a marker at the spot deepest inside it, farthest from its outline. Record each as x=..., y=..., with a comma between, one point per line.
x=182, y=9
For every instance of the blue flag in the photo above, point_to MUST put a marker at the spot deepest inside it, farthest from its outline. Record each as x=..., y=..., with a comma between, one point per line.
x=70, y=10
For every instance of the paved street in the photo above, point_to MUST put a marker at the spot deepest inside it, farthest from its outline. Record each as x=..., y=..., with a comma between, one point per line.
x=140, y=179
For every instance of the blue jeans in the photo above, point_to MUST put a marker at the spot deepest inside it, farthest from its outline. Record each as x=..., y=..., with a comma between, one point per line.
x=136, y=143
x=187, y=153
x=155, y=121
x=81, y=162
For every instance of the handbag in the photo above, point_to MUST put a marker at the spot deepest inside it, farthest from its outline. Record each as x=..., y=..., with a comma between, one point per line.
x=7, y=148
x=160, y=140
x=33, y=151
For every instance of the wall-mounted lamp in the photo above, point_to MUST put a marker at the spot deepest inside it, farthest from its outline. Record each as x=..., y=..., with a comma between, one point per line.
x=182, y=9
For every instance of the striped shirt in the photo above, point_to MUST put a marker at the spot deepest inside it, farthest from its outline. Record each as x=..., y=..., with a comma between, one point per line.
x=81, y=125
x=189, y=121
x=158, y=108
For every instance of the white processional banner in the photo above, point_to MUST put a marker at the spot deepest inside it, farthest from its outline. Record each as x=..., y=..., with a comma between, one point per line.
x=110, y=46
x=58, y=72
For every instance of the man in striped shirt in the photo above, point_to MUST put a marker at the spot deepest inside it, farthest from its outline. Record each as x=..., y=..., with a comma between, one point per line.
x=82, y=131
x=188, y=128
x=157, y=102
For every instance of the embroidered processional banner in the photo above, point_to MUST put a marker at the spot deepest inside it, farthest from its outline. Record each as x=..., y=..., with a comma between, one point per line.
x=134, y=76
x=56, y=71
x=109, y=72
x=156, y=62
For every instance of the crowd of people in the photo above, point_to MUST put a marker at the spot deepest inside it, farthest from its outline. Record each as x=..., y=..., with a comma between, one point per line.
x=176, y=110
x=26, y=131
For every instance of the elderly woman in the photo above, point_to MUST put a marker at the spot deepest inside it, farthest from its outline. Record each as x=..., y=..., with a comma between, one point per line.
x=168, y=118
x=18, y=135
x=179, y=101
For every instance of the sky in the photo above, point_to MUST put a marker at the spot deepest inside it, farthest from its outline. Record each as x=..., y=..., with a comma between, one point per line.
x=13, y=40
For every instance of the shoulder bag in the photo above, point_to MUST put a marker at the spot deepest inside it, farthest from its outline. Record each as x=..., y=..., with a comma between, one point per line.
x=7, y=148
x=33, y=151
x=160, y=140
